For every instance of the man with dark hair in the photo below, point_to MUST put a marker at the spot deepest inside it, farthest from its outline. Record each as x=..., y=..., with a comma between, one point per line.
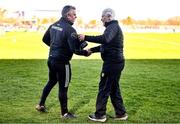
x=63, y=41
x=111, y=49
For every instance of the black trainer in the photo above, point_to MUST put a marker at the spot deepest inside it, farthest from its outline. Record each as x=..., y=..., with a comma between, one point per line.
x=41, y=108
x=121, y=117
x=68, y=116
x=98, y=119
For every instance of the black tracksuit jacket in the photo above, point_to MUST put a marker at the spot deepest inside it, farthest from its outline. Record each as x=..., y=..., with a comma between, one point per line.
x=111, y=47
x=63, y=41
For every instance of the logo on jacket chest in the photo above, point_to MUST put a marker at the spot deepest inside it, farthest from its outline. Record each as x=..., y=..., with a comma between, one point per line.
x=74, y=35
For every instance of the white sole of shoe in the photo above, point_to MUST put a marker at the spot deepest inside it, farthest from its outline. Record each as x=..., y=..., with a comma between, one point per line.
x=122, y=119
x=98, y=120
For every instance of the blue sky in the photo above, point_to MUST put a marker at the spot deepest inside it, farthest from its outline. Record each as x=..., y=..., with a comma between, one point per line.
x=88, y=9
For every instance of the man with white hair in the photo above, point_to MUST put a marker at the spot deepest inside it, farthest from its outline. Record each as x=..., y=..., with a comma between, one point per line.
x=111, y=49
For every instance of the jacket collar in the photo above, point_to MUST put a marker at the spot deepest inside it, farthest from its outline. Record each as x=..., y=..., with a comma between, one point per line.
x=111, y=22
x=65, y=20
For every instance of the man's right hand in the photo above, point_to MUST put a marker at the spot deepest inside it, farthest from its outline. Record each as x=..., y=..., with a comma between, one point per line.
x=81, y=37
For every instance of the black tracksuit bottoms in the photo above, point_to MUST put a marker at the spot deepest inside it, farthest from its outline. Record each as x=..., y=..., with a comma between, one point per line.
x=58, y=72
x=109, y=86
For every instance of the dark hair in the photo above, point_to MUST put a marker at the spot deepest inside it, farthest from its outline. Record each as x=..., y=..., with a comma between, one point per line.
x=66, y=9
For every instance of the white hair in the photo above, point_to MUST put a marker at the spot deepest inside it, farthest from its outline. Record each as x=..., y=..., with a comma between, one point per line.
x=109, y=12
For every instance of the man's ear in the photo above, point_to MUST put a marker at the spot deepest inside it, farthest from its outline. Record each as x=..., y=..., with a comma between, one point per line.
x=67, y=16
x=109, y=17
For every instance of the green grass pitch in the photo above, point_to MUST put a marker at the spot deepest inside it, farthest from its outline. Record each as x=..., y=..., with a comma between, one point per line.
x=150, y=89
x=150, y=81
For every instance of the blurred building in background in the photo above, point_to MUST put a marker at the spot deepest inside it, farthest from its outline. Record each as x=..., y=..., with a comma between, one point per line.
x=39, y=20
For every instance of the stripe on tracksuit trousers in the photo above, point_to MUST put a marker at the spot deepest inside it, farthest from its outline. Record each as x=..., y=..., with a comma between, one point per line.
x=58, y=72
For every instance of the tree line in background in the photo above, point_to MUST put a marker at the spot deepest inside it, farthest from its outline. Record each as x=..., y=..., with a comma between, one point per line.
x=171, y=21
x=18, y=19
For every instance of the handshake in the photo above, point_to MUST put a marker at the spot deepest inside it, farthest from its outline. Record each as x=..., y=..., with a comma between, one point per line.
x=81, y=38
